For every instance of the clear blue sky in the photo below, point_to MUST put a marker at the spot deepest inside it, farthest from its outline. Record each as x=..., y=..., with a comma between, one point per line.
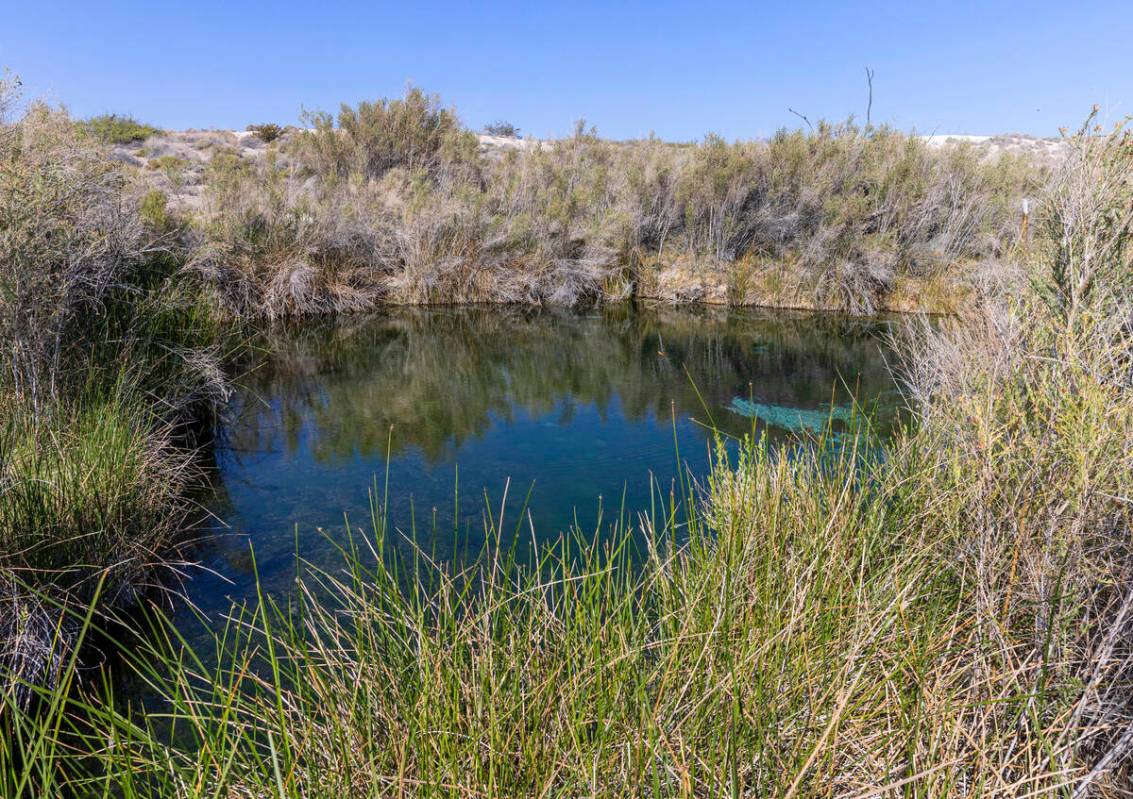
x=680, y=70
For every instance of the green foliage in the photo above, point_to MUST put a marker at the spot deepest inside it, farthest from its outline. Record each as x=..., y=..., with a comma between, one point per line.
x=413, y=132
x=501, y=128
x=111, y=355
x=117, y=129
x=84, y=484
x=267, y=132
x=167, y=163
x=154, y=209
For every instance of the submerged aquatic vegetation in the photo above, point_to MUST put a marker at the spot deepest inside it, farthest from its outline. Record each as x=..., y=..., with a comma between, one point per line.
x=788, y=418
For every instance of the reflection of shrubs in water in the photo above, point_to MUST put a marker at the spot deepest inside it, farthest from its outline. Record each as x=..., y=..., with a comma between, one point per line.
x=440, y=377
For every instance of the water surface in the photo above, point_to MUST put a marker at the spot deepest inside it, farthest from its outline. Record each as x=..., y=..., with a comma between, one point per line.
x=580, y=416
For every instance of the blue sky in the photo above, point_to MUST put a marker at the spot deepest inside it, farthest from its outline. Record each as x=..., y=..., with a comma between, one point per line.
x=677, y=69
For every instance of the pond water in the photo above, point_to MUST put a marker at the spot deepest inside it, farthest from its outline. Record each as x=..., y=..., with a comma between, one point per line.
x=580, y=416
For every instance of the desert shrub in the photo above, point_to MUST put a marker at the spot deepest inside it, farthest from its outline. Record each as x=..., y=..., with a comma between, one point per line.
x=111, y=359
x=167, y=163
x=266, y=132
x=413, y=132
x=69, y=241
x=849, y=209
x=501, y=128
x=653, y=172
x=82, y=264
x=718, y=192
x=270, y=251
x=1088, y=226
x=1031, y=399
x=117, y=129
x=843, y=217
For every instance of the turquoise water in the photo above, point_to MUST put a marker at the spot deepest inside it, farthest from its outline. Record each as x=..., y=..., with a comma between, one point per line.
x=579, y=416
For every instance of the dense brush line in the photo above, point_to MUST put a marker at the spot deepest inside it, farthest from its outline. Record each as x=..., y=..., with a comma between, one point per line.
x=396, y=204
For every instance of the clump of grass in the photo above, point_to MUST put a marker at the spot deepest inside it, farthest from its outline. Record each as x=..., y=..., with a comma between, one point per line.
x=117, y=129
x=93, y=497
x=167, y=163
x=154, y=209
x=71, y=470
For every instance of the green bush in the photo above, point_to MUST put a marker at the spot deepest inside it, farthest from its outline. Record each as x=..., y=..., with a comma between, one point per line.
x=267, y=132
x=117, y=129
x=414, y=132
x=167, y=163
x=69, y=240
x=500, y=128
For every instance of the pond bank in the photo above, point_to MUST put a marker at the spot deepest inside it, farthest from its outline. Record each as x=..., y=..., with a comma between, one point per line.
x=949, y=618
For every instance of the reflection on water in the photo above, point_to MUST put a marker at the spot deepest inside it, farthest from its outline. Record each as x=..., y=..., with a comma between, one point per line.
x=576, y=409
